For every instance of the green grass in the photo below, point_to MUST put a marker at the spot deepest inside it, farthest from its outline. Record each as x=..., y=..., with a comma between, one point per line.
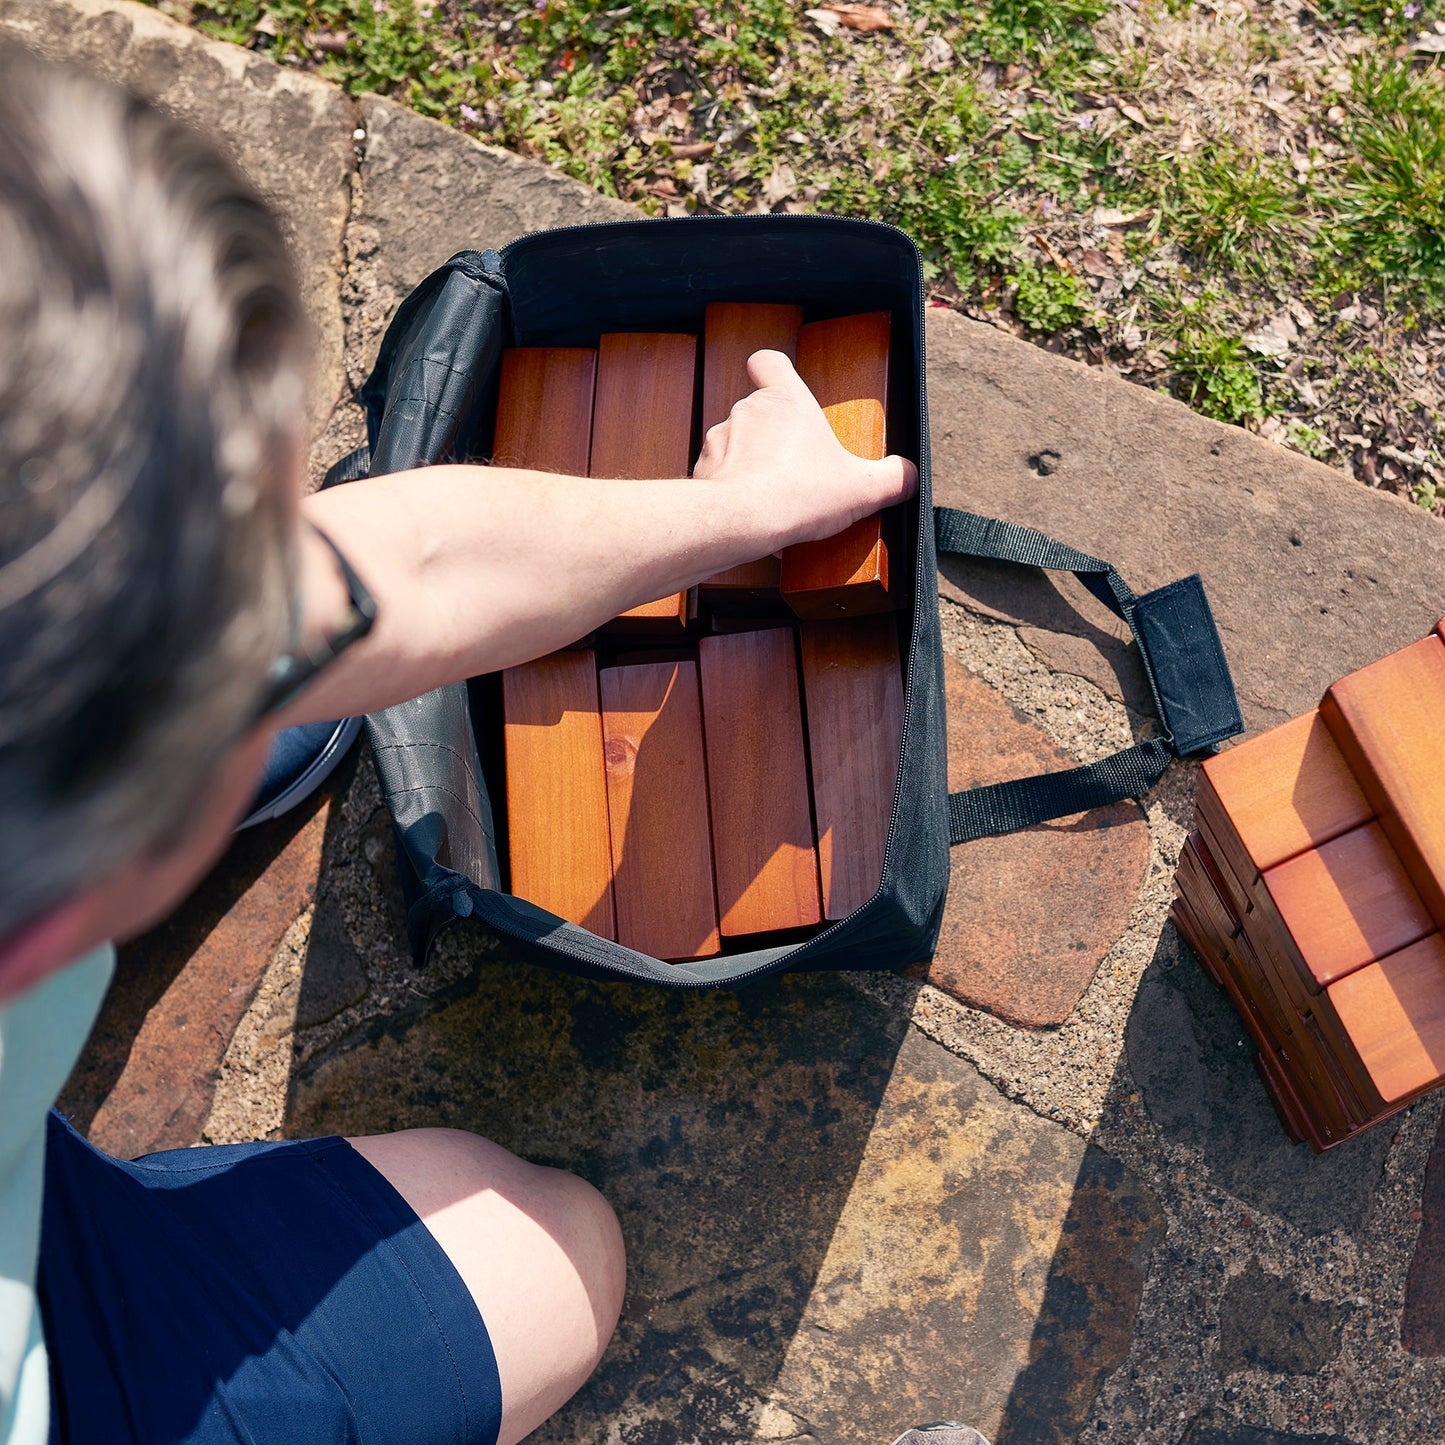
x=1392, y=209
x=991, y=133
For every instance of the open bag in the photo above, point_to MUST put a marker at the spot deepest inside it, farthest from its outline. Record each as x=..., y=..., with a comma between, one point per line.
x=431, y=398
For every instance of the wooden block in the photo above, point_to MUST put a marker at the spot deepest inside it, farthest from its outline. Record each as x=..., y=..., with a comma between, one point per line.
x=657, y=800
x=853, y=696
x=762, y=828
x=1281, y=793
x=1394, y=1014
x=642, y=428
x=557, y=829
x=1388, y=720
x=1343, y=905
x=732, y=332
x=544, y=409
x=845, y=364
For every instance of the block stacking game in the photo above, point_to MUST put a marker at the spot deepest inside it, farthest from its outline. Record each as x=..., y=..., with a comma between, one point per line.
x=713, y=770
x=1313, y=890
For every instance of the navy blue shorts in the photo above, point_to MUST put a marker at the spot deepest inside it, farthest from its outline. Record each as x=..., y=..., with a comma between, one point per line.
x=271, y=1294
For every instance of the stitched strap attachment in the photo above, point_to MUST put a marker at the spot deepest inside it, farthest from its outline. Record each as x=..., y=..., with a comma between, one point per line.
x=1182, y=658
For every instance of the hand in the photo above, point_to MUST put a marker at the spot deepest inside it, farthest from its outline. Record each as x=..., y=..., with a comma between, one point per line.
x=778, y=443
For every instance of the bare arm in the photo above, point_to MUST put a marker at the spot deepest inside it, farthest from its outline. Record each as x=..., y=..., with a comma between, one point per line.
x=478, y=568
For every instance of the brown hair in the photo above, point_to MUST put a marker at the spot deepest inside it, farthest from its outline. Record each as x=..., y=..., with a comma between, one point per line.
x=152, y=380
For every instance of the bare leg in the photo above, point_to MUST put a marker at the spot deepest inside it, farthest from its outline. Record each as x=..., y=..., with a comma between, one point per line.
x=539, y=1250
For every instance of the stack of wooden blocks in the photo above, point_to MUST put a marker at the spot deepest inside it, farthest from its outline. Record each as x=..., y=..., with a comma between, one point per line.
x=713, y=770
x=1314, y=893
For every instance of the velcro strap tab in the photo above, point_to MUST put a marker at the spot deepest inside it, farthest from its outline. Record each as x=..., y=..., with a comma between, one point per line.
x=1196, y=692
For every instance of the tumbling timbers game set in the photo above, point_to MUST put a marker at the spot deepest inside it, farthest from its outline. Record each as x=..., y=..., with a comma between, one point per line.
x=1314, y=892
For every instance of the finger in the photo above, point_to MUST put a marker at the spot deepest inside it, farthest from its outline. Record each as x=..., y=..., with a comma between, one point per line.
x=899, y=475
x=772, y=368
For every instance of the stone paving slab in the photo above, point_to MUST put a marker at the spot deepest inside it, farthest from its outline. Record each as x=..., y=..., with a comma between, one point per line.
x=831, y=1222
x=148, y=1077
x=1031, y=915
x=1310, y=574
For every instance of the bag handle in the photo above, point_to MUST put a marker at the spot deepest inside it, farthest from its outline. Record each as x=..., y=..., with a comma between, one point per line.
x=1178, y=644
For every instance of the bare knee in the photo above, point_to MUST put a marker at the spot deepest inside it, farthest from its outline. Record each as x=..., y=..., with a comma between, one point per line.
x=539, y=1249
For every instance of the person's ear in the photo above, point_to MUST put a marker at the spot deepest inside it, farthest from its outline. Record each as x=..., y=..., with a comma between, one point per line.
x=56, y=938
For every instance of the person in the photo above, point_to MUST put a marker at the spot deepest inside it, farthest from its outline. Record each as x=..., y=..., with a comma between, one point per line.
x=168, y=598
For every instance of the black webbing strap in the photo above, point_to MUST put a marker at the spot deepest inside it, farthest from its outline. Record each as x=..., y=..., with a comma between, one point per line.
x=351, y=468
x=1007, y=807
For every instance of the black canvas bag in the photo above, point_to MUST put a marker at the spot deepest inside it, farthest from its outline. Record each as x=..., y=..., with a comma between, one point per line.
x=431, y=398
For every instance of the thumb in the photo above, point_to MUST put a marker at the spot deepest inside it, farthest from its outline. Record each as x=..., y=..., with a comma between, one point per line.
x=772, y=368
x=897, y=476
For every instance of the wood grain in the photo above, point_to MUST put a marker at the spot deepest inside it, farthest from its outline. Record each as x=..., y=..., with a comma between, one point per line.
x=1344, y=904
x=845, y=364
x=853, y=696
x=662, y=871
x=1394, y=1013
x=1389, y=719
x=557, y=828
x=732, y=331
x=642, y=429
x=762, y=829
x=1279, y=794
x=544, y=409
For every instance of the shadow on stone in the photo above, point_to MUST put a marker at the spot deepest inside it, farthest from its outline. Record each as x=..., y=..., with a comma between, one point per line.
x=726, y=1129
x=1215, y=1427
x=1090, y=1302
x=1193, y=1064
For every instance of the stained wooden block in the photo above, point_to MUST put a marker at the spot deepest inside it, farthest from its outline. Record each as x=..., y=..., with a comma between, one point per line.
x=1281, y=793
x=642, y=428
x=732, y=332
x=544, y=409
x=762, y=829
x=1343, y=905
x=1394, y=1013
x=1324, y=1086
x=853, y=692
x=557, y=828
x=845, y=364
x=657, y=801
x=1388, y=720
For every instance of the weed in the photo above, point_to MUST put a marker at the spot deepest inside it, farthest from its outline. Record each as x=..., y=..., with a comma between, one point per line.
x=1047, y=299
x=1392, y=212
x=1237, y=212
x=1217, y=375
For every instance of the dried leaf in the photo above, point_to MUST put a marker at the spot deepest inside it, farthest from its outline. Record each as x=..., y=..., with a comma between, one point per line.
x=1108, y=216
x=1428, y=44
x=693, y=151
x=1132, y=112
x=1266, y=342
x=866, y=18
x=1095, y=263
x=781, y=185
x=825, y=20
x=1061, y=262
